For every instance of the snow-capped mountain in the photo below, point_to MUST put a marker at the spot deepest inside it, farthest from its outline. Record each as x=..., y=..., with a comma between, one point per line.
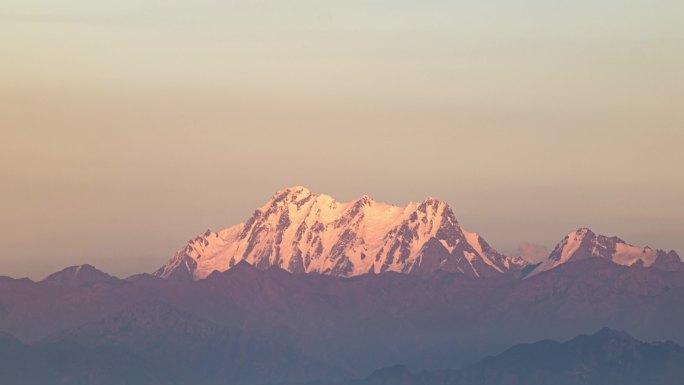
x=584, y=243
x=303, y=232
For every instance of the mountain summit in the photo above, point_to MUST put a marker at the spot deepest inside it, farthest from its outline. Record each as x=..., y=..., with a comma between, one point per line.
x=81, y=275
x=303, y=232
x=584, y=243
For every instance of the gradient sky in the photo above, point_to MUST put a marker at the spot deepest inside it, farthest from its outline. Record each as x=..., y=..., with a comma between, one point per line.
x=130, y=126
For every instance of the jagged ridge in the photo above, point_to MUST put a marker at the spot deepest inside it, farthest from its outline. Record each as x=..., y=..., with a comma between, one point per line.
x=303, y=232
x=584, y=243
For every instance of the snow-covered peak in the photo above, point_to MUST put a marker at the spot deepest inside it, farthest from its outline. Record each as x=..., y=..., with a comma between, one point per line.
x=288, y=196
x=295, y=190
x=572, y=242
x=584, y=243
x=304, y=232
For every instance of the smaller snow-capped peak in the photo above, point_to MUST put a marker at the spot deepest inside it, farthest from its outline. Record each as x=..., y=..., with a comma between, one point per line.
x=571, y=244
x=584, y=243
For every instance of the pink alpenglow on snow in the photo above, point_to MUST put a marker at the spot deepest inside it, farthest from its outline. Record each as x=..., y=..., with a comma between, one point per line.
x=303, y=232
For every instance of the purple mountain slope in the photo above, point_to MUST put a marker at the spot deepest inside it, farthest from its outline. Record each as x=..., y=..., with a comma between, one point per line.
x=607, y=357
x=355, y=325
x=178, y=343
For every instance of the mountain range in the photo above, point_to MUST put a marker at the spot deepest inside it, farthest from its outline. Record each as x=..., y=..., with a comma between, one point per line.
x=310, y=290
x=303, y=232
x=607, y=357
x=252, y=326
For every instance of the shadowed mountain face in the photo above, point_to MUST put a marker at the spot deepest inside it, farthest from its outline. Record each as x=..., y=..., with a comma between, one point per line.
x=84, y=275
x=153, y=343
x=67, y=364
x=254, y=326
x=189, y=349
x=607, y=357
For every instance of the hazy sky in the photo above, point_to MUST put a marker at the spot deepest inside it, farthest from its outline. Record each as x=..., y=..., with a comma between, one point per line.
x=130, y=126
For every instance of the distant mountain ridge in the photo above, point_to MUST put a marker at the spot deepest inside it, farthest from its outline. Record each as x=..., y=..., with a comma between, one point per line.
x=607, y=357
x=256, y=326
x=584, y=243
x=78, y=276
x=303, y=232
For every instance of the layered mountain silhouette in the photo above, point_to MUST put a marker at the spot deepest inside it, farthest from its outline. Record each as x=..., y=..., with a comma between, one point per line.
x=255, y=326
x=310, y=289
x=185, y=348
x=607, y=357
